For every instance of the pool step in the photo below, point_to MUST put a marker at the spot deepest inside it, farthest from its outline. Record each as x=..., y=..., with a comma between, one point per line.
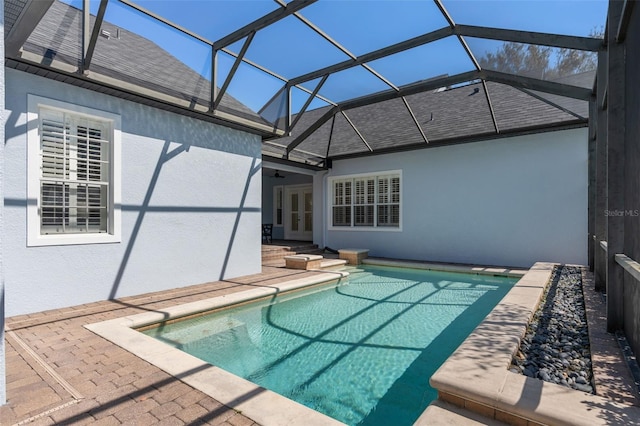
x=356, y=272
x=357, y=275
x=274, y=254
x=303, y=261
x=332, y=264
x=313, y=262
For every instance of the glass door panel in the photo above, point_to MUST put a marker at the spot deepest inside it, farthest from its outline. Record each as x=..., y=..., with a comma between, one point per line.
x=308, y=211
x=295, y=213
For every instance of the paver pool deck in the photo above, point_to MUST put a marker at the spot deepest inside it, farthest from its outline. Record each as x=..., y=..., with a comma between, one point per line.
x=59, y=372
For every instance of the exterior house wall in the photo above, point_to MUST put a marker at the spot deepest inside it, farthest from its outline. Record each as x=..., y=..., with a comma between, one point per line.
x=190, y=206
x=511, y=201
x=3, y=387
x=320, y=208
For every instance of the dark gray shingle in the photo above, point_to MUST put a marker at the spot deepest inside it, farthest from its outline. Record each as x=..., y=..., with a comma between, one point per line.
x=130, y=58
x=12, y=9
x=452, y=115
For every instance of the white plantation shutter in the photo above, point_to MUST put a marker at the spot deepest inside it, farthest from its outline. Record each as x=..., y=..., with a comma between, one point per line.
x=342, y=203
x=364, y=202
x=74, y=180
x=394, y=202
x=372, y=201
x=389, y=201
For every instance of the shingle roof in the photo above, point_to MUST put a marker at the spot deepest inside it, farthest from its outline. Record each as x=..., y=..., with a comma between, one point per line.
x=128, y=57
x=451, y=115
x=583, y=79
x=12, y=10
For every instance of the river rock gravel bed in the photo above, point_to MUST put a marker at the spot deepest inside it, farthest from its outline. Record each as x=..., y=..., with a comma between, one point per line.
x=555, y=347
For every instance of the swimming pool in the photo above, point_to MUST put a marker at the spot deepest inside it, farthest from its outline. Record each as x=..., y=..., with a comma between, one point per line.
x=360, y=351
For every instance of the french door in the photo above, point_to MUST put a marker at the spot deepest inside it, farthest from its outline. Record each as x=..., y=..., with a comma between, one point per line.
x=298, y=223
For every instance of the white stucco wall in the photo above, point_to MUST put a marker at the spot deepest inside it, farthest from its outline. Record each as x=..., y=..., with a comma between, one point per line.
x=187, y=218
x=511, y=201
x=3, y=387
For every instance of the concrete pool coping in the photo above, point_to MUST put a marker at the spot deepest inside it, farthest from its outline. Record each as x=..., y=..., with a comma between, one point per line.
x=448, y=267
x=261, y=405
x=476, y=375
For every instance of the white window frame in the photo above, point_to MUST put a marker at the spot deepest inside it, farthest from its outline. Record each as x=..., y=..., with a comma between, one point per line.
x=35, y=238
x=278, y=189
x=354, y=198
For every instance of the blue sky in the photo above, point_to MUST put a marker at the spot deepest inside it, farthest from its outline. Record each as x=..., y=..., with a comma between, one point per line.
x=290, y=48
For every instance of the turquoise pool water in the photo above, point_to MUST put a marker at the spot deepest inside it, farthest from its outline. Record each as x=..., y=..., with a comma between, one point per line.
x=361, y=351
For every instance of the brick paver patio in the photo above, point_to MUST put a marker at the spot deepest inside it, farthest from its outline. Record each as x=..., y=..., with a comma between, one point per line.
x=58, y=372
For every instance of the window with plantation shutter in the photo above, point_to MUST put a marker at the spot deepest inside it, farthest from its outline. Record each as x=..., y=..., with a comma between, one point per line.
x=75, y=174
x=342, y=203
x=71, y=157
x=366, y=201
x=389, y=201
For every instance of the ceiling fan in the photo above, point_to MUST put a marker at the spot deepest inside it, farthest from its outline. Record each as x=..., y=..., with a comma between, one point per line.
x=278, y=175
